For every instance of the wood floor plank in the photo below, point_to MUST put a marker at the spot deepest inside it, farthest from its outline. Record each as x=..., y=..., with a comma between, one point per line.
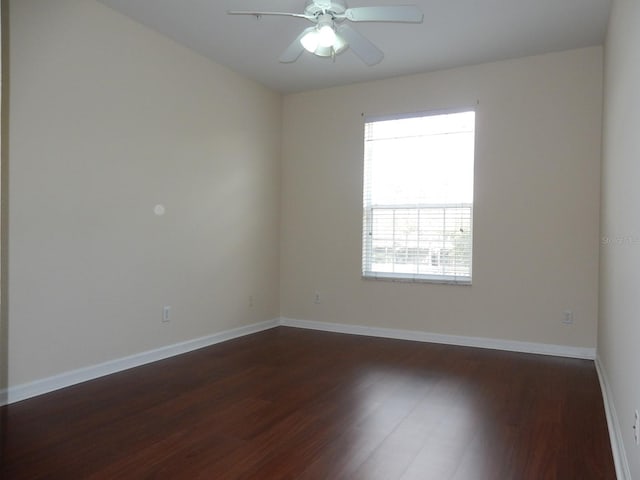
x=295, y=404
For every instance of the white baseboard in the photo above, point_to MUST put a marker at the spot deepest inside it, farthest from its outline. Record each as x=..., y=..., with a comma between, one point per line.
x=66, y=379
x=419, y=336
x=620, y=460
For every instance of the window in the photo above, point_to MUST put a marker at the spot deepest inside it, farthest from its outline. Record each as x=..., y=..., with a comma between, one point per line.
x=418, y=197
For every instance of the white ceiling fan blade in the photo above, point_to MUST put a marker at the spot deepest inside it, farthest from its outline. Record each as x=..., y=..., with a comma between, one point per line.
x=406, y=14
x=294, y=50
x=361, y=46
x=260, y=14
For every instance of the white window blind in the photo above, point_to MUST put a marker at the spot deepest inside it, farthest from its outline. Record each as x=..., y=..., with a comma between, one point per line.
x=418, y=197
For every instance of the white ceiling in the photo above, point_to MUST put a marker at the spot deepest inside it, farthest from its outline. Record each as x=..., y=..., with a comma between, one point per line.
x=454, y=33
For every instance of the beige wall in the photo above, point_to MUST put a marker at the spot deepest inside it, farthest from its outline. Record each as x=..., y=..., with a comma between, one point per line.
x=619, y=325
x=109, y=119
x=537, y=175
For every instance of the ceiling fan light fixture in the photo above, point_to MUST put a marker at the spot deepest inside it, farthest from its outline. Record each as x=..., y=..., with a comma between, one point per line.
x=322, y=38
x=339, y=46
x=310, y=41
x=323, y=51
x=326, y=36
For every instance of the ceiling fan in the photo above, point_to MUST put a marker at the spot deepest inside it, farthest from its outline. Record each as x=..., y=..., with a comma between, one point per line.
x=331, y=35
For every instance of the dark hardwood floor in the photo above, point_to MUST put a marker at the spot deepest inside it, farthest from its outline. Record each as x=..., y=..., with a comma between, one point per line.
x=296, y=404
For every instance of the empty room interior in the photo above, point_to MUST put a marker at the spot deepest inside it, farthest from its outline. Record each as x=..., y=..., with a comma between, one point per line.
x=320, y=240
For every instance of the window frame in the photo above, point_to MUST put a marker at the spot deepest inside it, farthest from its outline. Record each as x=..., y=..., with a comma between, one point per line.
x=366, y=245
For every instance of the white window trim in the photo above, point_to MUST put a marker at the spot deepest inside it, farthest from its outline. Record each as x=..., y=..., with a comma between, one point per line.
x=367, y=273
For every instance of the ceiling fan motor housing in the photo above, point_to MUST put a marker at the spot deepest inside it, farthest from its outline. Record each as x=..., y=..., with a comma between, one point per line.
x=316, y=8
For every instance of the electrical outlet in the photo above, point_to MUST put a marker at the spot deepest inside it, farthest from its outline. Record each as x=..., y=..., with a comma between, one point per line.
x=251, y=300
x=568, y=317
x=316, y=299
x=636, y=428
x=166, y=314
